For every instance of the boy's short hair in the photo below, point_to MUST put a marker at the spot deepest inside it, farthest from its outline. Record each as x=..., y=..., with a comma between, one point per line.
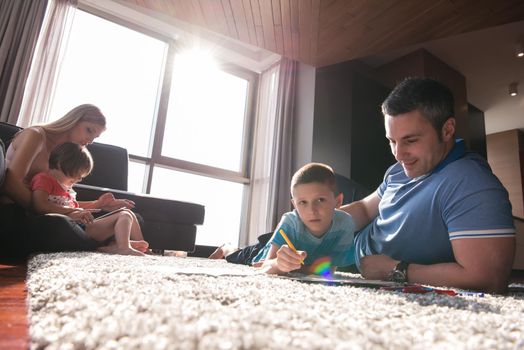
x=72, y=159
x=315, y=172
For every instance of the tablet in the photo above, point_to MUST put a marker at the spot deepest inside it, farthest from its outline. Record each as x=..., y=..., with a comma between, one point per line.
x=110, y=213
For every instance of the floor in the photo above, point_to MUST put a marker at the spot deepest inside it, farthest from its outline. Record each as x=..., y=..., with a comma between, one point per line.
x=14, y=333
x=13, y=311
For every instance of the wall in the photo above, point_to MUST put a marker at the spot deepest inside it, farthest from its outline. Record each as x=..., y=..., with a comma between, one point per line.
x=370, y=152
x=506, y=158
x=423, y=64
x=348, y=127
x=477, y=131
x=332, y=124
x=303, y=118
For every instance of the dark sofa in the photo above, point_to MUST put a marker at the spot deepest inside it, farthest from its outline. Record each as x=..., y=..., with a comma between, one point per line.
x=167, y=224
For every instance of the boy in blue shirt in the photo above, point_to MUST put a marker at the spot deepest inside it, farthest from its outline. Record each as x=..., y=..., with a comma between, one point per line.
x=316, y=228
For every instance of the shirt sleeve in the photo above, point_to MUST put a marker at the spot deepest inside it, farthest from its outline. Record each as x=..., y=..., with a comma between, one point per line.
x=482, y=215
x=41, y=182
x=286, y=224
x=480, y=209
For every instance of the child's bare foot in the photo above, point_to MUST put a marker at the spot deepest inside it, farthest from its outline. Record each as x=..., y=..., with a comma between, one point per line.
x=115, y=249
x=129, y=251
x=223, y=251
x=141, y=246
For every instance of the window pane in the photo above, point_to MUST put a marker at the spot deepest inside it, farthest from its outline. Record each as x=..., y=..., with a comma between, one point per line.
x=117, y=69
x=136, y=176
x=222, y=200
x=205, y=118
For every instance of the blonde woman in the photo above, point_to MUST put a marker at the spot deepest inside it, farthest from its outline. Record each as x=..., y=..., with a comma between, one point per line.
x=28, y=154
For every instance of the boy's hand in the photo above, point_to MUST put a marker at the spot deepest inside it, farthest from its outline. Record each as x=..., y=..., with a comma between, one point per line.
x=289, y=260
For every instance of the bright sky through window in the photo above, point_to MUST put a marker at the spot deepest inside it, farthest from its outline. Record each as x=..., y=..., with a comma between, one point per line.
x=209, y=132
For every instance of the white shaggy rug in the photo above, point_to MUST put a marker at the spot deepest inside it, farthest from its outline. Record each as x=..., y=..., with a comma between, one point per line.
x=97, y=301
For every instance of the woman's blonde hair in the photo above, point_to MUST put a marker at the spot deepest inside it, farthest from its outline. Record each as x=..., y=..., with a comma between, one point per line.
x=81, y=113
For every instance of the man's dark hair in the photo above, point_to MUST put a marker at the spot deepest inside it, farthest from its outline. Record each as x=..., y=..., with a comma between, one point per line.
x=433, y=100
x=315, y=172
x=72, y=159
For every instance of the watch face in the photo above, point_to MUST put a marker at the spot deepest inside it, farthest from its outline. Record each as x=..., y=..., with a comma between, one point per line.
x=398, y=276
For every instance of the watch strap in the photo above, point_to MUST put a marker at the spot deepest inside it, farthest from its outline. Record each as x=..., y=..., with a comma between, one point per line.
x=402, y=267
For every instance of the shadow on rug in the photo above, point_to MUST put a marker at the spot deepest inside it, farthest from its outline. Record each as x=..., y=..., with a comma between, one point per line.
x=97, y=301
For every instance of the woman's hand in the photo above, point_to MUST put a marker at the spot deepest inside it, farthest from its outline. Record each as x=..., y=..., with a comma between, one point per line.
x=108, y=202
x=81, y=216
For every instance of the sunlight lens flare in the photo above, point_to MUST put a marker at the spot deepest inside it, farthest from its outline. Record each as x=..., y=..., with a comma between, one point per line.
x=196, y=62
x=322, y=267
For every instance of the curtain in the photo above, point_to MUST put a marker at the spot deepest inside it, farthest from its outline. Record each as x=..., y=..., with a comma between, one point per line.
x=282, y=167
x=272, y=161
x=20, y=23
x=42, y=76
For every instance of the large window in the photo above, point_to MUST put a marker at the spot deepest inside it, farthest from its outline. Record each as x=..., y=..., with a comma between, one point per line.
x=184, y=116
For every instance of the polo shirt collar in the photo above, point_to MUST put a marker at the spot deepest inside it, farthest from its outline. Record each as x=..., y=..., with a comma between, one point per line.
x=458, y=151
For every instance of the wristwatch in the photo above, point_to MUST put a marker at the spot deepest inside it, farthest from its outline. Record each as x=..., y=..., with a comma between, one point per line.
x=400, y=273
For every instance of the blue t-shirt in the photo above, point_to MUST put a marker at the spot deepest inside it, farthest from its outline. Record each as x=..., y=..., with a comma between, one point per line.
x=418, y=217
x=337, y=243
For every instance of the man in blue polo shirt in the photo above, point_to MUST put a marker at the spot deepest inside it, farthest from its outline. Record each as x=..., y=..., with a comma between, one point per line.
x=440, y=216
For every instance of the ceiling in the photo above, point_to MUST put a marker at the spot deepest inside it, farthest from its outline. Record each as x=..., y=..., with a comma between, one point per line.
x=476, y=38
x=486, y=58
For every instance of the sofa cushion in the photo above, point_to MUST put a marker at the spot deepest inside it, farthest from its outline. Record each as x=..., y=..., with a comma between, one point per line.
x=110, y=166
x=352, y=190
x=2, y=162
x=7, y=132
x=167, y=224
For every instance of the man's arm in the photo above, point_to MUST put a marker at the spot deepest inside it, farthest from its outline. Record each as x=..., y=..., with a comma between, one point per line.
x=363, y=211
x=481, y=264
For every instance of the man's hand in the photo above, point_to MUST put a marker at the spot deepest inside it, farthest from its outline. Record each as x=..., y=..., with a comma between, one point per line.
x=108, y=202
x=377, y=267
